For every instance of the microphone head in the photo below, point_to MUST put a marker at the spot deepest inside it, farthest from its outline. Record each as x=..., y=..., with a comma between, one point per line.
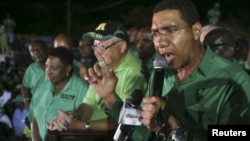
x=160, y=63
x=136, y=97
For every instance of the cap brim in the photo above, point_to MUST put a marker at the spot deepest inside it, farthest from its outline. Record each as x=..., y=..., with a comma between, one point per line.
x=96, y=36
x=87, y=36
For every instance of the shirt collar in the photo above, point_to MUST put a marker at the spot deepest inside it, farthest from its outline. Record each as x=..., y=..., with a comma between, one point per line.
x=204, y=65
x=125, y=61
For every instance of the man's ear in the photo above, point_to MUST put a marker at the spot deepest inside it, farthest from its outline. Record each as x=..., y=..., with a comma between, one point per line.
x=231, y=50
x=123, y=47
x=69, y=68
x=197, y=30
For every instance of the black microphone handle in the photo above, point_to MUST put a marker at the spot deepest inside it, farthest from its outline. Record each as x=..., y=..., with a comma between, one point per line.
x=157, y=91
x=158, y=82
x=126, y=132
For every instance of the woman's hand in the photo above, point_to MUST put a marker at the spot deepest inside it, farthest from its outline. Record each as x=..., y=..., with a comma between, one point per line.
x=60, y=122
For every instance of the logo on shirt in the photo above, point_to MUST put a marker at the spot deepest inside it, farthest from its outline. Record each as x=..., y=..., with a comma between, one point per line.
x=66, y=96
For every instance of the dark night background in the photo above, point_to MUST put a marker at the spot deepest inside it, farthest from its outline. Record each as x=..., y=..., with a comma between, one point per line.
x=49, y=17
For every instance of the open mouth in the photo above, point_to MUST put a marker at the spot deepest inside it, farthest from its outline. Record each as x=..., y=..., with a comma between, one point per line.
x=169, y=56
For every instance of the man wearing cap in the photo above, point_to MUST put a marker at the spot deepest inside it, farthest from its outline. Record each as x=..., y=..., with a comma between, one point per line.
x=110, y=44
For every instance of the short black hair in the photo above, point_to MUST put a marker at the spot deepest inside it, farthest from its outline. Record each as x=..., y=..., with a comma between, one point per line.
x=40, y=43
x=187, y=9
x=65, y=55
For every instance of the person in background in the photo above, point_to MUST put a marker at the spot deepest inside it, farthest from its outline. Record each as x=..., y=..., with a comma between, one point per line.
x=145, y=48
x=206, y=29
x=222, y=42
x=62, y=40
x=247, y=62
x=201, y=88
x=241, y=50
x=3, y=40
x=34, y=74
x=88, y=58
x=5, y=97
x=10, y=25
x=214, y=14
x=63, y=90
x=19, y=117
x=132, y=31
x=111, y=44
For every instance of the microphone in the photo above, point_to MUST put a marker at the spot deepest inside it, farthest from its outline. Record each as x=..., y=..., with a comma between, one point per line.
x=160, y=64
x=129, y=117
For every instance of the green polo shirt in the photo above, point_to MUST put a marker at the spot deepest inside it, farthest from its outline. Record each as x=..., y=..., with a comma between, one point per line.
x=47, y=104
x=217, y=92
x=130, y=77
x=34, y=75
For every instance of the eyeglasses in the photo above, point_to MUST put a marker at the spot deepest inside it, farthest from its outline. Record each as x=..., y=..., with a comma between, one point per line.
x=105, y=47
x=169, y=31
x=213, y=45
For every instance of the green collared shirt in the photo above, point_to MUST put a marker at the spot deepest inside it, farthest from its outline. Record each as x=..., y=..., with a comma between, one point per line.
x=33, y=75
x=47, y=104
x=217, y=92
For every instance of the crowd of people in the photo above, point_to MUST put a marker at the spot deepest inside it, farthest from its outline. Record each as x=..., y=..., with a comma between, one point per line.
x=206, y=81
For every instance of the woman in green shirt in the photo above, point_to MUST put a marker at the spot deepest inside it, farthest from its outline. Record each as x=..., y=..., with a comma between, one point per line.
x=63, y=90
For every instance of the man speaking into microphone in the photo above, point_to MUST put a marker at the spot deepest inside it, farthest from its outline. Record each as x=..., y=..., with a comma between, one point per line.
x=201, y=88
